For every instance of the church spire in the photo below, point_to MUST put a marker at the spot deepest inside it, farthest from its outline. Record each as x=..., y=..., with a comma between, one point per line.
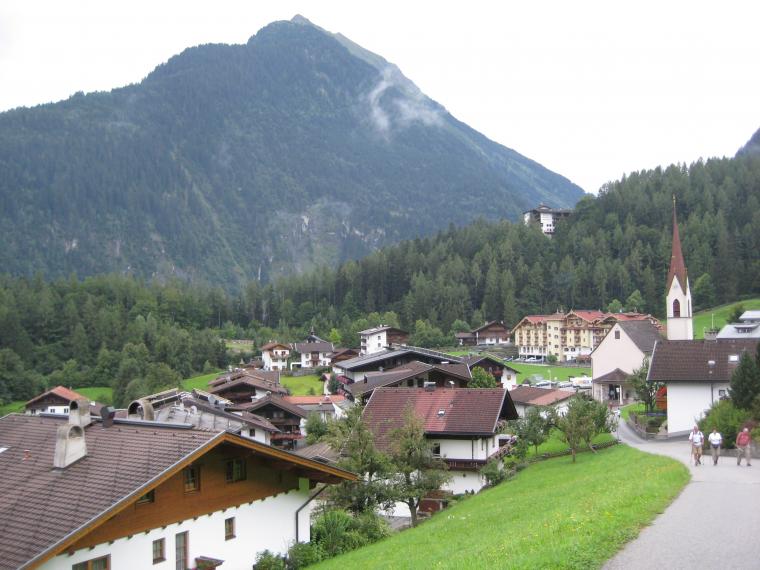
x=677, y=265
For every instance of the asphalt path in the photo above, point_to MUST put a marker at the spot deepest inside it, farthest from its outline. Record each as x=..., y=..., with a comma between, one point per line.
x=713, y=523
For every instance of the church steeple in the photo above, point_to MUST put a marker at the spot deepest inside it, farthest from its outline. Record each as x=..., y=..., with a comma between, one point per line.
x=677, y=265
x=678, y=303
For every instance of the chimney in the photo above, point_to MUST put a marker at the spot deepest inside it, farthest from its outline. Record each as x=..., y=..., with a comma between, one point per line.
x=142, y=407
x=79, y=413
x=429, y=386
x=711, y=334
x=69, y=445
x=107, y=414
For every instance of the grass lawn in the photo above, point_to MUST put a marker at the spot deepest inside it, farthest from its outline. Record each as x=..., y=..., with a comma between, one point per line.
x=239, y=346
x=300, y=385
x=554, y=514
x=704, y=319
x=555, y=444
x=557, y=372
x=200, y=382
x=625, y=411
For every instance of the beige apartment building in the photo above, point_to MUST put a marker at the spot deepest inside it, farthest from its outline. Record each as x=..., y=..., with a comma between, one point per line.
x=568, y=336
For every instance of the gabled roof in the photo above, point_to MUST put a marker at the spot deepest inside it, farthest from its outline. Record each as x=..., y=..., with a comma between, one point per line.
x=588, y=315
x=396, y=351
x=643, y=334
x=381, y=328
x=264, y=375
x=677, y=266
x=316, y=346
x=246, y=379
x=412, y=369
x=321, y=452
x=697, y=360
x=272, y=345
x=44, y=511
x=444, y=412
x=301, y=400
x=617, y=376
x=473, y=360
x=274, y=401
x=490, y=324
x=61, y=392
x=530, y=396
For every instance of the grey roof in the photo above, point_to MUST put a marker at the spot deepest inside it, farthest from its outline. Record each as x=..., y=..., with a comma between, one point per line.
x=643, y=334
x=316, y=346
x=750, y=316
x=381, y=328
x=320, y=451
x=475, y=359
x=395, y=350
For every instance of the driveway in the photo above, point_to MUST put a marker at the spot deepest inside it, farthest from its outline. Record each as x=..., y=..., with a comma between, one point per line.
x=713, y=523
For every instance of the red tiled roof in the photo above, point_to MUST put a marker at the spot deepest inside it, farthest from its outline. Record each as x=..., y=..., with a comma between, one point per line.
x=677, y=265
x=465, y=411
x=589, y=315
x=61, y=392
x=271, y=345
x=528, y=395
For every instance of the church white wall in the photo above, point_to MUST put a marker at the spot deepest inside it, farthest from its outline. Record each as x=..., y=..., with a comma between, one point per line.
x=265, y=524
x=615, y=353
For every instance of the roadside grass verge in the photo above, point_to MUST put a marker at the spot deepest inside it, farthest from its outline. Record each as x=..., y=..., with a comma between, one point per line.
x=704, y=319
x=554, y=514
x=625, y=411
x=555, y=444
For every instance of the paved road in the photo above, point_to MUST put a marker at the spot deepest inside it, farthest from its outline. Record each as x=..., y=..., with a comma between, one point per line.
x=713, y=523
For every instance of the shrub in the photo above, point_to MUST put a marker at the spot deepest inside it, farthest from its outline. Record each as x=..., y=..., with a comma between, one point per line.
x=493, y=472
x=726, y=418
x=335, y=532
x=269, y=561
x=303, y=554
x=372, y=526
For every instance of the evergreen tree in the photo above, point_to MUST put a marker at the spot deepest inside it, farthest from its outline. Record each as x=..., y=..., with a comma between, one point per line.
x=745, y=381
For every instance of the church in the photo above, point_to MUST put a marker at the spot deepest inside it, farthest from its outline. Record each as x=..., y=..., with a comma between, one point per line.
x=696, y=373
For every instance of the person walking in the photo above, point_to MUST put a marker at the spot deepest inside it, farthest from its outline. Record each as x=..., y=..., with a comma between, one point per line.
x=743, y=447
x=696, y=438
x=715, y=440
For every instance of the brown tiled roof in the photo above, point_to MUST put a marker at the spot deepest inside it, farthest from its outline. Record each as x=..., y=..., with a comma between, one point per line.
x=616, y=377
x=300, y=400
x=485, y=326
x=265, y=375
x=43, y=510
x=275, y=401
x=677, y=265
x=528, y=395
x=589, y=315
x=697, y=360
x=465, y=411
x=643, y=334
x=271, y=345
x=61, y=392
x=464, y=335
x=473, y=360
x=319, y=452
x=249, y=380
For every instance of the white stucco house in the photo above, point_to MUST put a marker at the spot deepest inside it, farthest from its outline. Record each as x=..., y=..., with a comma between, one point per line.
x=460, y=423
x=120, y=494
x=525, y=397
x=623, y=350
x=275, y=356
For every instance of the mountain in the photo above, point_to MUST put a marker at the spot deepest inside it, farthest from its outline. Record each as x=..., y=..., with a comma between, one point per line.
x=752, y=147
x=231, y=162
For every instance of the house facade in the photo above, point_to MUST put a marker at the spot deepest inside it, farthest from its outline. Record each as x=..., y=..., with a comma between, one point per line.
x=275, y=356
x=380, y=338
x=627, y=346
x=55, y=401
x=461, y=425
x=525, y=397
x=288, y=418
x=131, y=496
x=569, y=336
x=314, y=353
x=493, y=333
x=545, y=218
x=502, y=372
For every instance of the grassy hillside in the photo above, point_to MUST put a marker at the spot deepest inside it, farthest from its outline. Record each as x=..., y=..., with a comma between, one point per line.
x=719, y=316
x=100, y=394
x=552, y=515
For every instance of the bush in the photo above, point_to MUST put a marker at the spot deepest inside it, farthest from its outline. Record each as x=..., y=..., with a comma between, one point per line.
x=269, y=561
x=727, y=419
x=372, y=526
x=493, y=472
x=303, y=554
x=335, y=532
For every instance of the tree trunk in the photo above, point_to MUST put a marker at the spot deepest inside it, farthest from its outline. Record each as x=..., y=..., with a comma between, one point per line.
x=412, y=512
x=572, y=451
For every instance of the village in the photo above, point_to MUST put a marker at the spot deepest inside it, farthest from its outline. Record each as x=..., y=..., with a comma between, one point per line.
x=239, y=472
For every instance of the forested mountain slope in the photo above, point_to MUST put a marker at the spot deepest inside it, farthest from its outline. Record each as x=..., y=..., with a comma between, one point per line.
x=232, y=162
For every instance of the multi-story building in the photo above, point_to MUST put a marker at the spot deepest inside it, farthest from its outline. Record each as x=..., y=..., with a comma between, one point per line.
x=275, y=356
x=546, y=217
x=568, y=336
x=379, y=338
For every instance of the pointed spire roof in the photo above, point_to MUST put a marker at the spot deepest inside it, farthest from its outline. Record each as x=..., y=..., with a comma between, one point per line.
x=677, y=265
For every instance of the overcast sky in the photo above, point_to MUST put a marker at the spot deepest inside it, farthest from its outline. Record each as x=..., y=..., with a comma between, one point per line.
x=591, y=90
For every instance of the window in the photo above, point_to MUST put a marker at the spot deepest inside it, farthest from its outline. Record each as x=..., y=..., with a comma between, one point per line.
x=102, y=563
x=159, y=550
x=148, y=497
x=65, y=410
x=192, y=479
x=617, y=335
x=676, y=308
x=436, y=450
x=229, y=528
x=180, y=550
x=235, y=470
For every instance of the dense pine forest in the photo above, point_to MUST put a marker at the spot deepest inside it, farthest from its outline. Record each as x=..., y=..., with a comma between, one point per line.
x=613, y=252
